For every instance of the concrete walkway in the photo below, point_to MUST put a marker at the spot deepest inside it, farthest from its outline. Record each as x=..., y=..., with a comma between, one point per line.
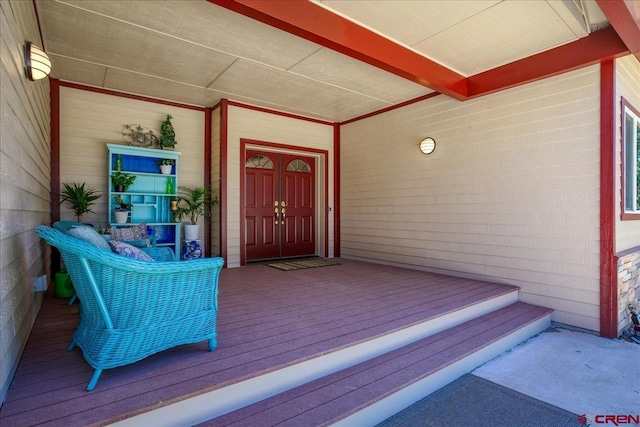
x=559, y=378
x=576, y=371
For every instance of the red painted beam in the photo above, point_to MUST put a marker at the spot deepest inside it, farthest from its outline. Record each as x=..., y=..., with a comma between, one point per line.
x=608, y=259
x=624, y=16
x=597, y=47
x=307, y=20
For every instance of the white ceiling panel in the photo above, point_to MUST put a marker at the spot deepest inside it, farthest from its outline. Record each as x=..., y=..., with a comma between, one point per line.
x=246, y=78
x=72, y=70
x=117, y=44
x=339, y=70
x=206, y=24
x=408, y=21
x=507, y=32
x=154, y=87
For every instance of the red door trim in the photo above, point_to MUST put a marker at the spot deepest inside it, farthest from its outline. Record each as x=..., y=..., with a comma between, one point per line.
x=207, y=176
x=336, y=195
x=243, y=148
x=224, y=154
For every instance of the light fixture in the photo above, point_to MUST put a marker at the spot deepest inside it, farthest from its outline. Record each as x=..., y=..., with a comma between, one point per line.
x=428, y=145
x=37, y=64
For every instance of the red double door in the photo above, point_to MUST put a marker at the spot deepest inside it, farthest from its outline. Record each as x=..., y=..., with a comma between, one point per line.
x=279, y=205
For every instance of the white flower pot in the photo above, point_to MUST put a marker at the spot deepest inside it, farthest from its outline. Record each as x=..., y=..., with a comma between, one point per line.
x=121, y=216
x=165, y=169
x=191, y=232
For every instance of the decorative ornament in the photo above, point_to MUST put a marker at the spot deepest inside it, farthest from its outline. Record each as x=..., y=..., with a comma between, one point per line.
x=139, y=136
x=167, y=134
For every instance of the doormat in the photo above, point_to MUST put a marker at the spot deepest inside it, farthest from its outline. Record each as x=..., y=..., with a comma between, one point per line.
x=302, y=264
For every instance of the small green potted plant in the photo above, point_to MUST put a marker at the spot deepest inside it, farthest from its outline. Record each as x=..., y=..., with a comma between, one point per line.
x=122, y=181
x=79, y=197
x=166, y=166
x=121, y=212
x=167, y=138
x=193, y=203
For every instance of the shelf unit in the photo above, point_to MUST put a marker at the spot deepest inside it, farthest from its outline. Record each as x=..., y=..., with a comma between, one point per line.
x=151, y=203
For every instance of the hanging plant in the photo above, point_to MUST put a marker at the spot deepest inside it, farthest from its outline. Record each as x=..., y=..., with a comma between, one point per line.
x=167, y=134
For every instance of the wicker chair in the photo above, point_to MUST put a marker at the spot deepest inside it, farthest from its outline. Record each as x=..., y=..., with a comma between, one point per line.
x=132, y=309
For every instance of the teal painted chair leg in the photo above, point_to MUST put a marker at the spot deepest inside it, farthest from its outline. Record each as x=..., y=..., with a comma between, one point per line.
x=213, y=343
x=72, y=345
x=94, y=379
x=73, y=299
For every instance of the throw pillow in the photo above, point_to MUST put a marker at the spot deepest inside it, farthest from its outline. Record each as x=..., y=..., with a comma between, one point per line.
x=89, y=235
x=127, y=250
x=127, y=234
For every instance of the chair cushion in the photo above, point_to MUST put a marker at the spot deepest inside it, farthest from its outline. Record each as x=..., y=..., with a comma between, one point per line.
x=136, y=233
x=89, y=235
x=127, y=250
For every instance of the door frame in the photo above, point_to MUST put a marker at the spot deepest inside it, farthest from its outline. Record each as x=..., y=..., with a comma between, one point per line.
x=321, y=182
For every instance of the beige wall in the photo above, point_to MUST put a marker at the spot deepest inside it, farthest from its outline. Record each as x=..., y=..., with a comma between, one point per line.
x=24, y=185
x=511, y=193
x=90, y=120
x=273, y=128
x=627, y=86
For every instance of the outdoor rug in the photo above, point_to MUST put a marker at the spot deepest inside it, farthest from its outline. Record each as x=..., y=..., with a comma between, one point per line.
x=302, y=264
x=471, y=401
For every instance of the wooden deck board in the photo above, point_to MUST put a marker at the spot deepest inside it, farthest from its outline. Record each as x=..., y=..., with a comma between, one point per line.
x=268, y=319
x=328, y=398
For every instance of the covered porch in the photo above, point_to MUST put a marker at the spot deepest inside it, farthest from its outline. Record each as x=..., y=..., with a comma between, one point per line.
x=271, y=320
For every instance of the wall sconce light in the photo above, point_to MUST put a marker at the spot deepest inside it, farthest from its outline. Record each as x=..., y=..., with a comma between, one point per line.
x=428, y=145
x=37, y=64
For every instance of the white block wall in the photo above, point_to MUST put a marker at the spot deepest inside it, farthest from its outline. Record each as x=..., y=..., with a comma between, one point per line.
x=511, y=193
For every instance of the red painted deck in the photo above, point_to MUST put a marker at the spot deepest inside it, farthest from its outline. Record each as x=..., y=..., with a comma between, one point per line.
x=268, y=319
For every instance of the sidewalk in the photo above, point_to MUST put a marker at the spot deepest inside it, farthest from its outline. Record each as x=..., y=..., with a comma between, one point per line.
x=550, y=380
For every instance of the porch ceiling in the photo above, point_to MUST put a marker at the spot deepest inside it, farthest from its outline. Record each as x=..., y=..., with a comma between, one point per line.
x=331, y=59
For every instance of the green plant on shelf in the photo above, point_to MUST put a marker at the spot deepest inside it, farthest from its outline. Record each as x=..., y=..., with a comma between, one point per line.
x=122, y=205
x=165, y=162
x=122, y=181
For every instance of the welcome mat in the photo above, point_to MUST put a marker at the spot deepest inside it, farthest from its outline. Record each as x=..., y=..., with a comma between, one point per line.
x=302, y=264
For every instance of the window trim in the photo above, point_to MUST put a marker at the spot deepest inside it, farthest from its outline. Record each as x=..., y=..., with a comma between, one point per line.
x=624, y=107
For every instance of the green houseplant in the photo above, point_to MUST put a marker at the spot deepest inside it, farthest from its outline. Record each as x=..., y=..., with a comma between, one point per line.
x=79, y=197
x=193, y=203
x=121, y=213
x=166, y=165
x=167, y=134
x=122, y=181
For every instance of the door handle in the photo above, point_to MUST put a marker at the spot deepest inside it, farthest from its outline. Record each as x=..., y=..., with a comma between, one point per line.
x=277, y=213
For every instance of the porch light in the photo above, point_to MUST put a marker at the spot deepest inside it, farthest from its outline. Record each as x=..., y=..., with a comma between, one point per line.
x=428, y=145
x=37, y=64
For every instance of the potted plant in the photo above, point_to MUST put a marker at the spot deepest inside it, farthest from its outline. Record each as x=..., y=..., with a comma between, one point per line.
x=194, y=204
x=167, y=134
x=122, y=181
x=166, y=165
x=79, y=197
x=121, y=213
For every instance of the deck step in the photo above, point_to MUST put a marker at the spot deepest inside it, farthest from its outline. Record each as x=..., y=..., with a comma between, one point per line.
x=224, y=400
x=370, y=392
